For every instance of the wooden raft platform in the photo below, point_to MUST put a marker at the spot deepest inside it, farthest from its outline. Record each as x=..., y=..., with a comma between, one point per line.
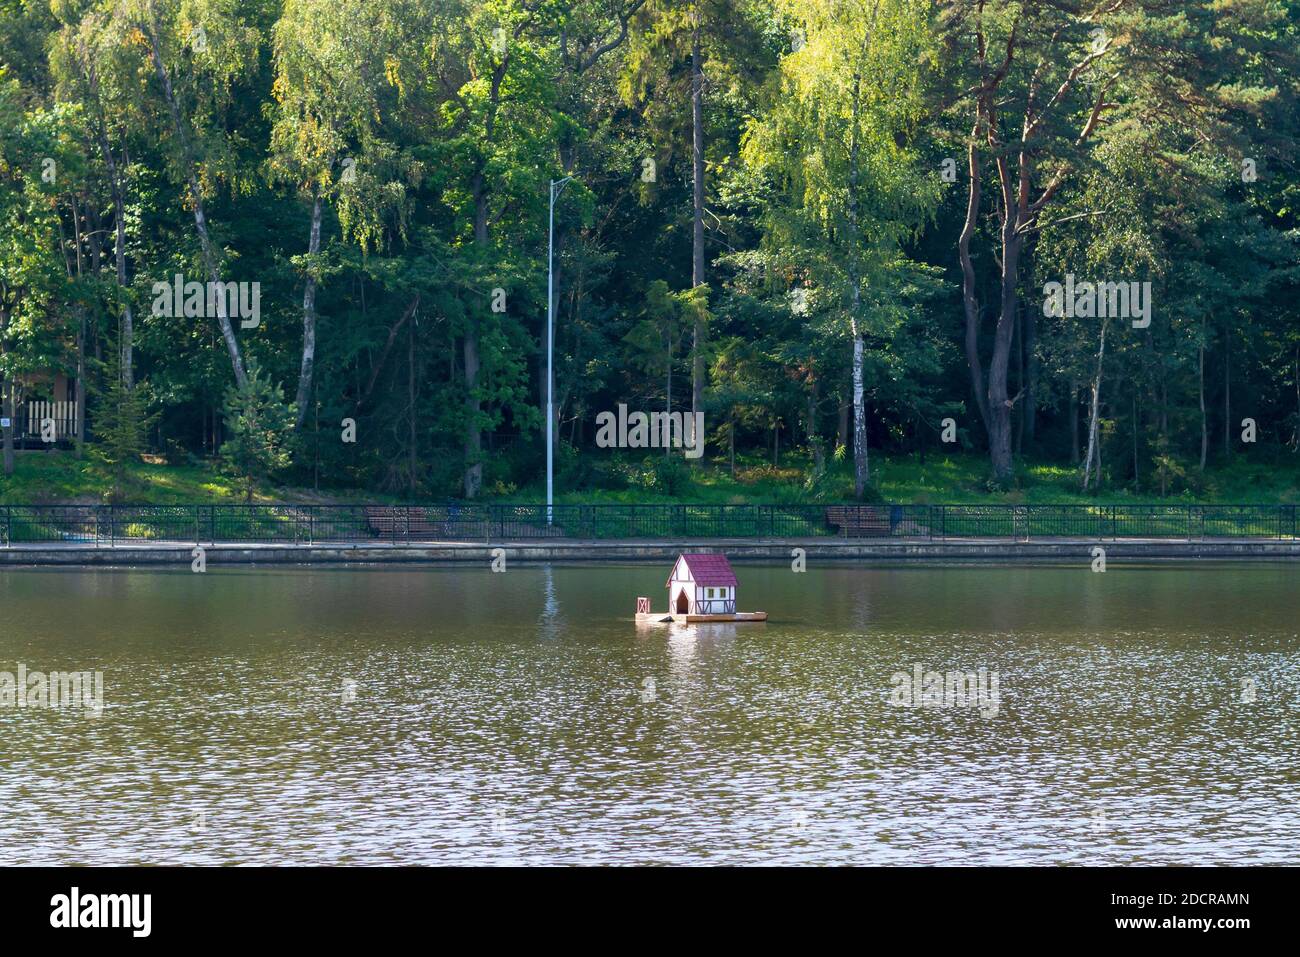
x=665, y=617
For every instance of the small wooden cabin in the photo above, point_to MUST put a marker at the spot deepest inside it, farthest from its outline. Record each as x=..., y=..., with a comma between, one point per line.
x=702, y=585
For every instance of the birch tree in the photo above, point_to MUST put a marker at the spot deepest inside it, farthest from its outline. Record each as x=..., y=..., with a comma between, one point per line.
x=334, y=59
x=846, y=184
x=196, y=51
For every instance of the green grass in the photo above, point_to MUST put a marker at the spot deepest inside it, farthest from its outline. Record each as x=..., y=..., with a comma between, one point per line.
x=939, y=479
x=47, y=478
x=58, y=477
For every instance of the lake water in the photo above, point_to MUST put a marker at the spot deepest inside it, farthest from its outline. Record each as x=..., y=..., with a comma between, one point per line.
x=453, y=715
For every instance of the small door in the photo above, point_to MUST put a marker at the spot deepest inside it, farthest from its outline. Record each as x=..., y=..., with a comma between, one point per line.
x=683, y=603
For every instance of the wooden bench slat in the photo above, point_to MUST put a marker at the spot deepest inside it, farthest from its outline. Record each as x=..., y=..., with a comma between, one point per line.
x=860, y=521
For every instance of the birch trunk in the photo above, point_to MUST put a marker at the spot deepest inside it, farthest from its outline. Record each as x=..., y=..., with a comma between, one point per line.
x=1094, y=452
x=697, y=225
x=196, y=197
x=6, y=398
x=309, y=314
x=861, y=464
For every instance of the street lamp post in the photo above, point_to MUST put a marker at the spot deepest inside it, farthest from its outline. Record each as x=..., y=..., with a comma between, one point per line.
x=557, y=186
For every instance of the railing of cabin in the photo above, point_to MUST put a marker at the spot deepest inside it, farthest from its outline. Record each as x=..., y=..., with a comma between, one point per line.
x=39, y=419
x=715, y=606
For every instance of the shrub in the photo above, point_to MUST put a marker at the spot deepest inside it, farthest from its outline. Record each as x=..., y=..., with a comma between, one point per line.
x=259, y=425
x=670, y=475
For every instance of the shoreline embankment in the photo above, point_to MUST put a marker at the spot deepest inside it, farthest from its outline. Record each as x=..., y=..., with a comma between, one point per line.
x=891, y=551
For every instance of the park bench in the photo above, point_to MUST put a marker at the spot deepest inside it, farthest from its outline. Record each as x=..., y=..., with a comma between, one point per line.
x=859, y=520
x=395, y=522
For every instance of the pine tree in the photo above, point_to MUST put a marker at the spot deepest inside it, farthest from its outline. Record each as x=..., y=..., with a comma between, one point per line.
x=122, y=421
x=259, y=424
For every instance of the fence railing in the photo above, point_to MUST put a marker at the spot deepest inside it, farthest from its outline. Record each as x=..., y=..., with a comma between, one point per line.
x=307, y=524
x=47, y=421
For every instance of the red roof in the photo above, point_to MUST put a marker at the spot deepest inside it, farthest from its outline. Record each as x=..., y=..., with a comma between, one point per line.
x=710, y=570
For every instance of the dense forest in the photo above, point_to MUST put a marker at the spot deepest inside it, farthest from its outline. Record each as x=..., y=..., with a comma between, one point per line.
x=839, y=229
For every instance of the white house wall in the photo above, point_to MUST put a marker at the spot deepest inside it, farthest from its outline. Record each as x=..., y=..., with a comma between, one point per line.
x=681, y=579
x=695, y=593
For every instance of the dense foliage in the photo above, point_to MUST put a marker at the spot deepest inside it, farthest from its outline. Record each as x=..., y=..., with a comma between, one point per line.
x=824, y=224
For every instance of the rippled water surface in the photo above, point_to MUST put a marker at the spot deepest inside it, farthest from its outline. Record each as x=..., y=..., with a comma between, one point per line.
x=525, y=718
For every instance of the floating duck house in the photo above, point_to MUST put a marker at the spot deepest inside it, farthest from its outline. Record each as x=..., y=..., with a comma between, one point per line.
x=700, y=588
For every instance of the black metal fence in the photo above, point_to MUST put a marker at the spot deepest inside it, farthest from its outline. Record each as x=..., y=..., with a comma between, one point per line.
x=399, y=524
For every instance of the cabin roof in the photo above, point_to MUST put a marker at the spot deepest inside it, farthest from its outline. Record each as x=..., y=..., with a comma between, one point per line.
x=709, y=570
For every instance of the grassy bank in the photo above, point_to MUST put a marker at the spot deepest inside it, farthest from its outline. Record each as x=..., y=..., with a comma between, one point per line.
x=59, y=477
x=951, y=479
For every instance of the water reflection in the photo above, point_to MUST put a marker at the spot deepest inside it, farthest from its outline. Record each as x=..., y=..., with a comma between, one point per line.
x=507, y=718
x=551, y=622
x=682, y=639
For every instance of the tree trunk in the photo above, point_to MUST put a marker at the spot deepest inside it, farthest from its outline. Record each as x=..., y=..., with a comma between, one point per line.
x=473, y=438
x=1074, y=422
x=6, y=395
x=119, y=256
x=196, y=197
x=1029, y=411
x=119, y=217
x=1094, y=451
x=7, y=405
x=999, y=403
x=1227, y=396
x=479, y=191
x=79, y=396
x=1136, y=475
x=1164, y=402
x=1018, y=345
x=861, y=464
x=473, y=434
x=309, y=315
x=1205, y=427
x=413, y=457
x=970, y=303
x=668, y=399
x=814, y=439
x=1018, y=212
x=697, y=225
